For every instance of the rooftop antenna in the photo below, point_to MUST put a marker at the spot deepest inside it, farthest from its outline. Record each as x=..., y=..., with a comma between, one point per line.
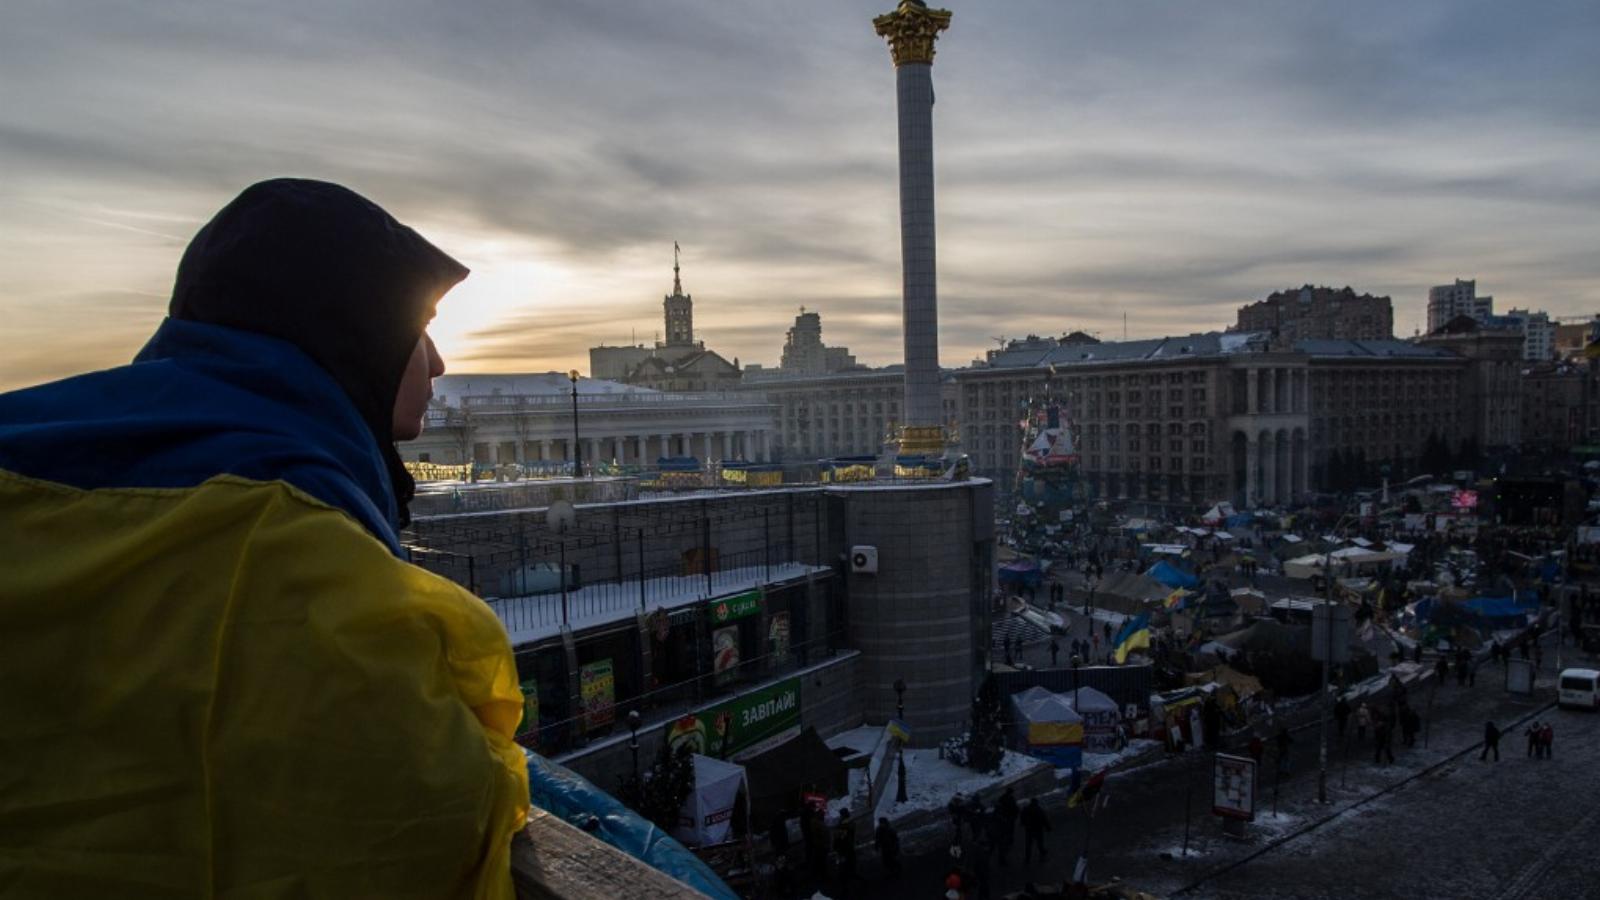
x=1124, y=324
x=1000, y=340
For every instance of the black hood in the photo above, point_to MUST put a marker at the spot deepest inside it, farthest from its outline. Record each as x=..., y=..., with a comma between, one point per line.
x=327, y=270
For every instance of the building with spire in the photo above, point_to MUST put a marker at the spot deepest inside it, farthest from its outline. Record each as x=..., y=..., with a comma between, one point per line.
x=678, y=364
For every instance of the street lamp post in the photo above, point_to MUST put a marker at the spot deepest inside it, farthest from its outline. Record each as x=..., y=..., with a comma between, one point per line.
x=1076, y=662
x=577, y=448
x=900, y=795
x=633, y=742
x=1327, y=666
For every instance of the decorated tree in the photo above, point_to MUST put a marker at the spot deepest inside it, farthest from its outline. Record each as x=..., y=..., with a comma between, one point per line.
x=985, y=742
x=665, y=787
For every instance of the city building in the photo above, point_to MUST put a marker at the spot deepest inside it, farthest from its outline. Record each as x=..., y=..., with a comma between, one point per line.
x=678, y=364
x=1559, y=406
x=1491, y=388
x=1538, y=333
x=805, y=354
x=1308, y=312
x=733, y=619
x=529, y=419
x=1573, y=334
x=1221, y=416
x=1447, y=301
x=852, y=413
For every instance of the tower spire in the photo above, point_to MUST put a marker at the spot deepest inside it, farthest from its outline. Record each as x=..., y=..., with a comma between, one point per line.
x=677, y=286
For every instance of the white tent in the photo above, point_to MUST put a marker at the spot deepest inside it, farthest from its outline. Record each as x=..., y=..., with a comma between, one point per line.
x=1100, y=717
x=707, y=815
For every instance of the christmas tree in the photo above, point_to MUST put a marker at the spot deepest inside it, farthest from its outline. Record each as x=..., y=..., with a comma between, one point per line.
x=665, y=787
x=985, y=738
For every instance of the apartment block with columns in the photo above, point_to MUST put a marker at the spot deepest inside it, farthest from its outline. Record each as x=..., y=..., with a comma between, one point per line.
x=1207, y=417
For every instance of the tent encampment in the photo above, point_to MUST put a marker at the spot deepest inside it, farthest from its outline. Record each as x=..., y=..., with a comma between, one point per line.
x=1048, y=728
x=1100, y=717
x=1171, y=576
x=708, y=812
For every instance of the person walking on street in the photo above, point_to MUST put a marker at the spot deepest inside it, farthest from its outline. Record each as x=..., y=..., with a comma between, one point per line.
x=887, y=842
x=1491, y=742
x=844, y=847
x=957, y=808
x=1034, y=825
x=1341, y=715
x=1532, y=734
x=1383, y=740
x=1055, y=649
x=1005, y=824
x=1547, y=739
x=1363, y=721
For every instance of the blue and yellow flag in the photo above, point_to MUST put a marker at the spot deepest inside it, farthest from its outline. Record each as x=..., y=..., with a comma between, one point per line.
x=1135, y=634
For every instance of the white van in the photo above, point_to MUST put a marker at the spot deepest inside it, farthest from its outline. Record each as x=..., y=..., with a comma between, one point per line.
x=1579, y=688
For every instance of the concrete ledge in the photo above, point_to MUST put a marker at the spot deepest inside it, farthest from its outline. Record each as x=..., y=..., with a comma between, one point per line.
x=551, y=859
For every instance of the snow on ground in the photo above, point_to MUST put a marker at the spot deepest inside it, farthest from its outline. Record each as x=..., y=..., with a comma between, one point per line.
x=1094, y=762
x=535, y=618
x=931, y=781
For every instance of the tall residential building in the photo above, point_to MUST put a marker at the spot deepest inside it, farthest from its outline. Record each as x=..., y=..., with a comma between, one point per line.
x=1447, y=301
x=805, y=354
x=1538, y=333
x=1324, y=313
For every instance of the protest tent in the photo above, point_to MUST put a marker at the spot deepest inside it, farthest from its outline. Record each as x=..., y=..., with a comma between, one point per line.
x=1100, y=717
x=1048, y=728
x=719, y=791
x=1021, y=573
x=1171, y=576
x=778, y=775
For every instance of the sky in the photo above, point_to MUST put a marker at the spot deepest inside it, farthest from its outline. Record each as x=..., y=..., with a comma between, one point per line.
x=1153, y=163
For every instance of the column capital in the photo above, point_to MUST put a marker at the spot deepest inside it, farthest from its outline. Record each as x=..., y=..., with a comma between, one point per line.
x=911, y=30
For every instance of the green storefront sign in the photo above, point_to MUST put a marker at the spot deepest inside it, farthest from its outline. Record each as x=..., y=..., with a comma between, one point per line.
x=726, y=609
x=733, y=725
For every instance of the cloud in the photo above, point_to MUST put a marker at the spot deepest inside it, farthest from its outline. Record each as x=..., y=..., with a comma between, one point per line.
x=1166, y=161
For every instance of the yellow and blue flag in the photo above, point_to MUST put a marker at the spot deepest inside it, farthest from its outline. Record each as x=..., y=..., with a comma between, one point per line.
x=1135, y=634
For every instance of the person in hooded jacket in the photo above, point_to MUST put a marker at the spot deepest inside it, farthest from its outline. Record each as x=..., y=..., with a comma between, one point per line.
x=221, y=675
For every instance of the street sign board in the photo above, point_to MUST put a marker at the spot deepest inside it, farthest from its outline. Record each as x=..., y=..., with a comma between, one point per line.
x=1233, y=787
x=1341, y=632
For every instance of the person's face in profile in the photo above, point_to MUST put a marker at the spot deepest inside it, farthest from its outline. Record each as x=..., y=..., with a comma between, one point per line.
x=416, y=388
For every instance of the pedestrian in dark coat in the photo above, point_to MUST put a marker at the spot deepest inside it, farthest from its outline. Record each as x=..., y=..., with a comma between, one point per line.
x=887, y=842
x=1532, y=734
x=1547, y=740
x=1341, y=715
x=1491, y=742
x=1055, y=649
x=1034, y=825
x=844, y=847
x=957, y=808
x=1005, y=828
x=1383, y=740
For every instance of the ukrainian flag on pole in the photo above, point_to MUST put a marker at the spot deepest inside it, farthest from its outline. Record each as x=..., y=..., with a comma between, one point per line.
x=1135, y=634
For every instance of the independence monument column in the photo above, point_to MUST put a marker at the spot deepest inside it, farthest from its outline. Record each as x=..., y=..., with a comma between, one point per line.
x=911, y=30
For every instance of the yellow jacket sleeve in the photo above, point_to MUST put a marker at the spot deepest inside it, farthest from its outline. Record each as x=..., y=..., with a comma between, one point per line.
x=235, y=691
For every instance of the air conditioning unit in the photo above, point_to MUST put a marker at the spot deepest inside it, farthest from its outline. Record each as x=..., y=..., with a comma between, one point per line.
x=864, y=560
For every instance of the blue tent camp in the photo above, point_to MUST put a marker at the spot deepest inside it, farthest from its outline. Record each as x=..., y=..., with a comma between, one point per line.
x=1021, y=573
x=1501, y=612
x=1171, y=576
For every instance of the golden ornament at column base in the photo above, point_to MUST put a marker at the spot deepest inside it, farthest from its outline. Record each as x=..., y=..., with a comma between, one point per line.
x=922, y=440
